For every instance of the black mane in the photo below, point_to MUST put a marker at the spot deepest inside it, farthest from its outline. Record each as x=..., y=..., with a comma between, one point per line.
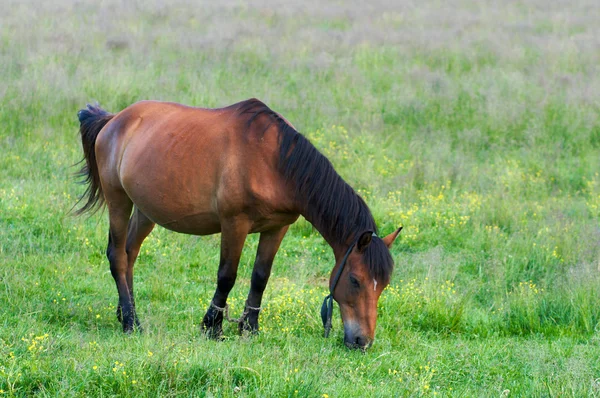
x=335, y=209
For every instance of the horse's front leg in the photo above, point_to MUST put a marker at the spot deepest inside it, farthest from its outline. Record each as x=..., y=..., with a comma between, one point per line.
x=233, y=236
x=267, y=248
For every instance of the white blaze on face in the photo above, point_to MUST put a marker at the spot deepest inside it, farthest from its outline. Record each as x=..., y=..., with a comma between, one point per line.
x=374, y=284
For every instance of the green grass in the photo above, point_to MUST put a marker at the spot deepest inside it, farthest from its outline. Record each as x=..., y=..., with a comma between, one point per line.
x=476, y=127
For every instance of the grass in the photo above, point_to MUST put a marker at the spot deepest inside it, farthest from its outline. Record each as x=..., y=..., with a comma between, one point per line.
x=475, y=126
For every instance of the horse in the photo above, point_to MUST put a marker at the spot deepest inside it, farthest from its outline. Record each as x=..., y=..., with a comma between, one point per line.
x=235, y=170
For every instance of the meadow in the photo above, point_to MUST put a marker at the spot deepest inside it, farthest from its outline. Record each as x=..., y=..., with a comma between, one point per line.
x=474, y=125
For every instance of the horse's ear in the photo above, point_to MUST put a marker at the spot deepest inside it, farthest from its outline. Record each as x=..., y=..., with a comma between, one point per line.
x=364, y=241
x=389, y=240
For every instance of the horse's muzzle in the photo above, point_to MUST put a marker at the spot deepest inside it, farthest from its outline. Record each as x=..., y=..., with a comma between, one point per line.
x=354, y=338
x=362, y=343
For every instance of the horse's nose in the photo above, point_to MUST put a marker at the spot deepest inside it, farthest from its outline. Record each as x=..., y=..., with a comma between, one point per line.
x=355, y=336
x=359, y=341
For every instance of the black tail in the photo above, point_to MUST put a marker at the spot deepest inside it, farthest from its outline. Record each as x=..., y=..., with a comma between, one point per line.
x=92, y=120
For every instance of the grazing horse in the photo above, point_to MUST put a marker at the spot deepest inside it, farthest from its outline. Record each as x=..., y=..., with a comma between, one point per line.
x=236, y=170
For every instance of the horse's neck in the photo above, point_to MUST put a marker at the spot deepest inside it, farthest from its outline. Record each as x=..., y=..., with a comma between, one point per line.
x=322, y=196
x=339, y=246
x=334, y=242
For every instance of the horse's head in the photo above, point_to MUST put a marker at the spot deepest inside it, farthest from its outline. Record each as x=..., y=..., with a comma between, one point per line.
x=366, y=270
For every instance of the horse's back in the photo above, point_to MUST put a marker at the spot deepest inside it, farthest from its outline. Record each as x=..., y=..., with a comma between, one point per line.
x=187, y=168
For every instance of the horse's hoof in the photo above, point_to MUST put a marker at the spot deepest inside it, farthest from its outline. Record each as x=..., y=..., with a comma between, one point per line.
x=249, y=324
x=128, y=329
x=212, y=324
x=213, y=333
x=246, y=327
x=212, y=330
x=133, y=329
x=129, y=321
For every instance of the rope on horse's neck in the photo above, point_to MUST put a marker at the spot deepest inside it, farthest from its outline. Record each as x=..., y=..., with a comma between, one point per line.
x=225, y=311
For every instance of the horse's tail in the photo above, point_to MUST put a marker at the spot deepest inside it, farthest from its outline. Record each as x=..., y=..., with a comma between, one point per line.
x=92, y=120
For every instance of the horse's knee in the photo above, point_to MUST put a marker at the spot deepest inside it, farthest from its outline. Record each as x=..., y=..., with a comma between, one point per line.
x=110, y=251
x=115, y=270
x=112, y=259
x=259, y=280
x=132, y=253
x=118, y=263
x=225, y=281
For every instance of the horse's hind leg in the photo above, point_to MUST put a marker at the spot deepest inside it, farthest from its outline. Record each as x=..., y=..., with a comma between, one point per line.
x=267, y=248
x=138, y=229
x=119, y=209
x=233, y=236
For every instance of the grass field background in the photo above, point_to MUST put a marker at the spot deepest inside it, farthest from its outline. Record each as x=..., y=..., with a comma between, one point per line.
x=475, y=125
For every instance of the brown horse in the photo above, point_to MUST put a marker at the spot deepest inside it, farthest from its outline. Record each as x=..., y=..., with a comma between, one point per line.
x=236, y=170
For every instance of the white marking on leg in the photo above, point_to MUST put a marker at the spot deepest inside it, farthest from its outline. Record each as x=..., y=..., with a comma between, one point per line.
x=374, y=284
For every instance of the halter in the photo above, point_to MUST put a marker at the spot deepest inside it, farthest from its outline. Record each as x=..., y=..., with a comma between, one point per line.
x=327, y=307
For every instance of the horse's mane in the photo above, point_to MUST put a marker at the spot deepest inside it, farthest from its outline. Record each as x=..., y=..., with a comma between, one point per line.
x=327, y=200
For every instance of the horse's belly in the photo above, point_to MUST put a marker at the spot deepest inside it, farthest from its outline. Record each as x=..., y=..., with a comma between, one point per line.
x=176, y=209
x=195, y=224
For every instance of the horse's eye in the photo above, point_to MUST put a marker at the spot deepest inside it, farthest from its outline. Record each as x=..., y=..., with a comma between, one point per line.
x=354, y=281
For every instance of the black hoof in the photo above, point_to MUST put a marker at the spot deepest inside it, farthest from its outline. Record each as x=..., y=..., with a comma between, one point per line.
x=132, y=326
x=128, y=324
x=214, y=332
x=129, y=321
x=249, y=323
x=212, y=324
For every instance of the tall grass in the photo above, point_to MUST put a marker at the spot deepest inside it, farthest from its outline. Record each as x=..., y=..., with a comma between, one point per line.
x=476, y=126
